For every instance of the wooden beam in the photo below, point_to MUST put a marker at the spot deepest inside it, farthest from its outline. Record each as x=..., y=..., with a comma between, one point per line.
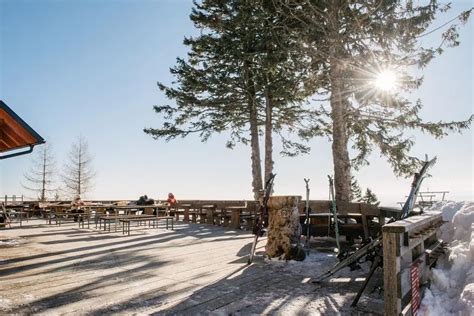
x=391, y=264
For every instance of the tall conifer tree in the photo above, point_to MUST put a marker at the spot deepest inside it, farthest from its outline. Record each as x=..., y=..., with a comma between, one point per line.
x=355, y=42
x=239, y=76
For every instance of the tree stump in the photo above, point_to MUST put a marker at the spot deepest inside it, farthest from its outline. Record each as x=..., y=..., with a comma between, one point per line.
x=284, y=228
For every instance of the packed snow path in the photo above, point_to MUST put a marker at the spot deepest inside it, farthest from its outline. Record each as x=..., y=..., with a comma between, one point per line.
x=194, y=269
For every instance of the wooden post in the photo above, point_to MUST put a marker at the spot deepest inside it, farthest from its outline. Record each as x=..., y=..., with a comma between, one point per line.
x=235, y=219
x=365, y=227
x=283, y=228
x=210, y=210
x=186, y=213
x=391, y=269
x=404, y=252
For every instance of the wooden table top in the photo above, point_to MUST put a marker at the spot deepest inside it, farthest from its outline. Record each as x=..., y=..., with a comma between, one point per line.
x=208, y=206
x=235, y=207
x=330, y=214
x=133, y=207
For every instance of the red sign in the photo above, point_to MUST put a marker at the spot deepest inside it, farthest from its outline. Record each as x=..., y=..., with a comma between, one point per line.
x=415, y=287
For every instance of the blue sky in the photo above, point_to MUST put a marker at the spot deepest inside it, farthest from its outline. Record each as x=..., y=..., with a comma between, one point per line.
x=90, y=68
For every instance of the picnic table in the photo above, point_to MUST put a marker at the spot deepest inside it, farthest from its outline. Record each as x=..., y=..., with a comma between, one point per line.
x=16, y=211
x=209, y=211
x=61, y=211
x=236, y=212
x=144, y=218
x=361, y=221
x=186, y=208
x=130, y=209
x=116, y=218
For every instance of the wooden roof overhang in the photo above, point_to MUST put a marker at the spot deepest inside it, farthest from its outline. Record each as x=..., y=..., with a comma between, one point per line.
x=15, y=134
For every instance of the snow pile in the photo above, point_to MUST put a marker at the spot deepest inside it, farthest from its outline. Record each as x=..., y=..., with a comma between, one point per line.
x=6, y=243
x=5, y=304
x=452, y=282
x=314, y=261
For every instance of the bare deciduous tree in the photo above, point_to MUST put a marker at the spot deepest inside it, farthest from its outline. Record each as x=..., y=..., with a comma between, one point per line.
x=78, y=172
x=40, y=177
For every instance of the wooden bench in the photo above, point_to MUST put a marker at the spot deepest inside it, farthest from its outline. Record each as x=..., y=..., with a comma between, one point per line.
x=235, y=214
x=117, y=219
x=60, y=216
x=202, y=213
x=5, y=217
x=184, y=209
x=126, y=222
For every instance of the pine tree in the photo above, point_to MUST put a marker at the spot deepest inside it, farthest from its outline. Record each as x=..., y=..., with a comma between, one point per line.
x=238, y=77
x=285, y=78
x=356, y=191
x=370, y=198
x=356, y=41
x=78, y=173
x=41, y=175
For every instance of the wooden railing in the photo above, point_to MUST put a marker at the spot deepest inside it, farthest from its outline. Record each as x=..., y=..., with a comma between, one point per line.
x=356, y=218
x=410, y=247
x=13, y=199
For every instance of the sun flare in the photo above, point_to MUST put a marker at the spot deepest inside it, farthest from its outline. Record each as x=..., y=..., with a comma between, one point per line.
x=386, y=80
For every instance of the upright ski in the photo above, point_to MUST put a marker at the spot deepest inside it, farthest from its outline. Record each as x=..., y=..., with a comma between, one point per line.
x=332, y=197
x=307, y=217
x=415, y=187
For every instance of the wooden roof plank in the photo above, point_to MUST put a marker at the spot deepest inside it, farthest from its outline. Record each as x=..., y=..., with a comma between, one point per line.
x=15, y=133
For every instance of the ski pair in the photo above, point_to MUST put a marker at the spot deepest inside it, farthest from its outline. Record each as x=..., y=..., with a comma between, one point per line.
x=376, y=244
x=261, y=221
x=333, y=212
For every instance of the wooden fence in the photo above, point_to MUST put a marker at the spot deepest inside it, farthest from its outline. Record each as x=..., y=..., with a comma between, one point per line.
x=356, y=219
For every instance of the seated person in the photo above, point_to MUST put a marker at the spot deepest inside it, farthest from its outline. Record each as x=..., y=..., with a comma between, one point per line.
x=141, y=200
x=144, y=200
x=171, y=199
x=77, y=201
x=76, y=206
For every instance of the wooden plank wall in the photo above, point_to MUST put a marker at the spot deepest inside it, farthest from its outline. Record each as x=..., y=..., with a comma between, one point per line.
x=405, y=243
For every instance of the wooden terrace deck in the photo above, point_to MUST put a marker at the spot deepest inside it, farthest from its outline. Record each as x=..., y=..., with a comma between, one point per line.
x=194, y=269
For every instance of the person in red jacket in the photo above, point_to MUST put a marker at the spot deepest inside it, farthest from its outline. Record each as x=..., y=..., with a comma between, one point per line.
x=171, y=199
x=77, y=207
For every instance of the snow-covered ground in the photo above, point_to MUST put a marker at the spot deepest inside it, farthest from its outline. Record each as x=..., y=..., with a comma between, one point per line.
x=10, y=242
x=452, y=281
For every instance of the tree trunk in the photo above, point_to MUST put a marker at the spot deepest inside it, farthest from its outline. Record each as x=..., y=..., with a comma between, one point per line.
x=257, y=185
x=268, y=134
x=79, y=169
x=284, y=228
x=43, y=186
x=340, y=154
